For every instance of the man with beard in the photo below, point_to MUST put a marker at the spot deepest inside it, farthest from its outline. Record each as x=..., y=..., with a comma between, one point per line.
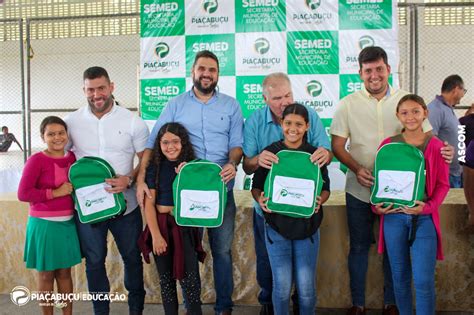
x=214, y=122
x=109, y=131
x=366, y=118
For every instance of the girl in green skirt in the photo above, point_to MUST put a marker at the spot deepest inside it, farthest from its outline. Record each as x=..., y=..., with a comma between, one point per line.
x=52, y=245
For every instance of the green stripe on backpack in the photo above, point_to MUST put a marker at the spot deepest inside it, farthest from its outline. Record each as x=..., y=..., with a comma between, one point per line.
x=93, y=204
x=199, y=195
x=399, y=173
x=293, y=184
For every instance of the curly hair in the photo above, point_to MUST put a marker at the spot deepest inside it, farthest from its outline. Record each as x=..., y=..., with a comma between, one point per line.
x=187, y=151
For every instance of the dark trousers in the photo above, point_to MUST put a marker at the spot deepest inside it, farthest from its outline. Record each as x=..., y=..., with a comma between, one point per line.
x=191, y=283
x=93, y=238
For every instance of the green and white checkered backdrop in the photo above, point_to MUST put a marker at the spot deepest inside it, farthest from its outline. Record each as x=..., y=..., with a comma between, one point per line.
x=315, y=41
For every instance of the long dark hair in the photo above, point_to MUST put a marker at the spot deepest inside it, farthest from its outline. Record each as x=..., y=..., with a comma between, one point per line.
x=300, y=110
x=187, y=151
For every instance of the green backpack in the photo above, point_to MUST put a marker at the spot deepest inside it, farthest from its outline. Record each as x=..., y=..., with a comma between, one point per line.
x=199, y=195
x=399, y=173
x=293, y=184
x=93, y=204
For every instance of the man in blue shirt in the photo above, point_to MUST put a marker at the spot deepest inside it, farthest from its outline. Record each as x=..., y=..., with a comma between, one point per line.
x=214, y=122
x=263, y=128
x=445, y=123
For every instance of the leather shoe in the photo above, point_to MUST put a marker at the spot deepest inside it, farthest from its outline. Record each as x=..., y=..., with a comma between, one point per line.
x=390, y=310
x=356, y=310
x=226, y=312
x=266, y=309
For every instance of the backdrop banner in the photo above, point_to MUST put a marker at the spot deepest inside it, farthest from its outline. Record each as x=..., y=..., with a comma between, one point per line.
x=316, y=42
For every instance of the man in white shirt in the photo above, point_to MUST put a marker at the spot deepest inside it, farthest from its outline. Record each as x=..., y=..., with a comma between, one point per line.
x=107, y=130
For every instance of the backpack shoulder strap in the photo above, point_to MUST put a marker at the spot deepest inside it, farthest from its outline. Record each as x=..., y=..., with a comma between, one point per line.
x=425, y=144
x=397, y=138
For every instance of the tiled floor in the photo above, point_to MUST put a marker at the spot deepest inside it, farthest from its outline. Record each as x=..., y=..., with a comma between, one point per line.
x=8, y=308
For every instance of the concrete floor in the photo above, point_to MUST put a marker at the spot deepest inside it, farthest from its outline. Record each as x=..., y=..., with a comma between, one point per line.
x=8, y=308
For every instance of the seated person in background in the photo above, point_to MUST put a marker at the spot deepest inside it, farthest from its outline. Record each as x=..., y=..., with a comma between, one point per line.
x=6, y=140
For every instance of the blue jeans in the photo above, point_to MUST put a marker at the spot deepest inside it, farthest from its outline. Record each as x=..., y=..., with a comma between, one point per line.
x=93, y=238
x=293, y=259
x=419, y=260
x=360, y=219
x=264, y=270
x=455, y=181
x=220, y=241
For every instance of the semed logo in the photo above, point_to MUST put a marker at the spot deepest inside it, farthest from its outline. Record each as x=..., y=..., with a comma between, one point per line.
x=314, y=88
x=199, y=208
x=162, y=50
x=366, y=41
x=262, y=45
x=210, y=6
x=393, y=190
x=313, y=4
x=20, y=295
x=286, y=193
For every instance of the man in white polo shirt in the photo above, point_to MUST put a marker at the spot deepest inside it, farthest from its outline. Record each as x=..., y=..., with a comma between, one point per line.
x=107, y=130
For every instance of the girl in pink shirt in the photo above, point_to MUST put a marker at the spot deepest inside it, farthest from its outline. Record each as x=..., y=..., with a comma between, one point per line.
x=52, y=245
x=412, y=236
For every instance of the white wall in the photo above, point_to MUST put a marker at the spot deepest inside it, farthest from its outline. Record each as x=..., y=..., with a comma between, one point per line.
x=58, y=64
x=446, y=50
x=56, y=75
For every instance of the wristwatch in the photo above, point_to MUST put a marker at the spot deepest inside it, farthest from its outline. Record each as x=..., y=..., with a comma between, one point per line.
x=131, y=182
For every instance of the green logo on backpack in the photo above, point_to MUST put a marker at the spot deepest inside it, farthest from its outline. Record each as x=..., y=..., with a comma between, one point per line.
x=198, y=207
x=394, y=191
x=89, y=202
x=285, y=192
